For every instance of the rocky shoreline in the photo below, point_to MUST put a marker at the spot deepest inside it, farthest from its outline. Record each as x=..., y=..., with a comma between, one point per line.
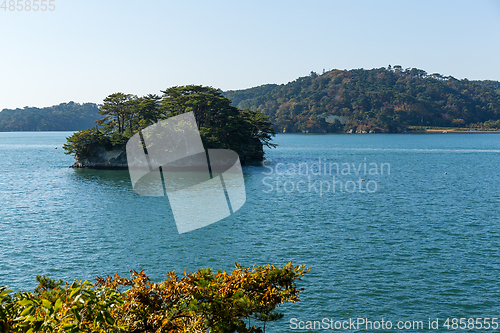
x=116, y=159
x=103, y=159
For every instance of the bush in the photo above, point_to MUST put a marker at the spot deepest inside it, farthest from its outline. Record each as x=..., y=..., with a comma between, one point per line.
x=197, y=302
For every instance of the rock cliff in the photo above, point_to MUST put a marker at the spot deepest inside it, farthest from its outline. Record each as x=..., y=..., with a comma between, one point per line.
x=103, y=159
x=117, y=159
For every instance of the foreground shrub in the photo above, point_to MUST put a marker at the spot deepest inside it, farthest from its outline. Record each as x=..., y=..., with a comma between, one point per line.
x=197, y=302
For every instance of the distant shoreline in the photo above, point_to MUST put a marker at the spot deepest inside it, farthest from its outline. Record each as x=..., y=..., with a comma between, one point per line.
x=407, y=132
x=450, y=132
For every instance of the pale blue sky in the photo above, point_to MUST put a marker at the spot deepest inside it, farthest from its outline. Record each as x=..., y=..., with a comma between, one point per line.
x=87, y=49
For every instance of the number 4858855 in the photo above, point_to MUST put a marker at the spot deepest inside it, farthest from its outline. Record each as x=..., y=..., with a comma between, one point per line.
x=28, y=5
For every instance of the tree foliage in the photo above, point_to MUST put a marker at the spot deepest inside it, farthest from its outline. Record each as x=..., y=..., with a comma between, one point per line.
x=221, y=125
x=383, y=99
x=63, y=117
x=197, y=302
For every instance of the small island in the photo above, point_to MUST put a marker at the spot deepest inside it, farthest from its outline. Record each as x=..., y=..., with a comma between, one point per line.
x=221, y=125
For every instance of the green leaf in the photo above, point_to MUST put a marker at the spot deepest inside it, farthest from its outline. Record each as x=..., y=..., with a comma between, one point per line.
x=29, y=319
x=25, y=302
x=73, y=292
x=58, y=305
x=5, y=292
x=68, y=326
x=26, y=311
x=109, y=319
x=46, y=304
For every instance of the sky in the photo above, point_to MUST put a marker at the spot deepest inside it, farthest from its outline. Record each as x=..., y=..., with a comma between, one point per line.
x=84, y=50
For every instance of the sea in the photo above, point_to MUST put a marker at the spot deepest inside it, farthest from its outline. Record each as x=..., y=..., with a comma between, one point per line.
x=396, y=228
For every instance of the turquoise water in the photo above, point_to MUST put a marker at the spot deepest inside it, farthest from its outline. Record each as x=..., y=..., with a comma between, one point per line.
x=401, y=241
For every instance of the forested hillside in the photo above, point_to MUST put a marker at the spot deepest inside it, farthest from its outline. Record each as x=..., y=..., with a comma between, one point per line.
x=377, y=100
x=63, y=117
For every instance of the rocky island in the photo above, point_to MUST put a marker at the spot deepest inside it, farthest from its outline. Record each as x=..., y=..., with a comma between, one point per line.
x=221, y=126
